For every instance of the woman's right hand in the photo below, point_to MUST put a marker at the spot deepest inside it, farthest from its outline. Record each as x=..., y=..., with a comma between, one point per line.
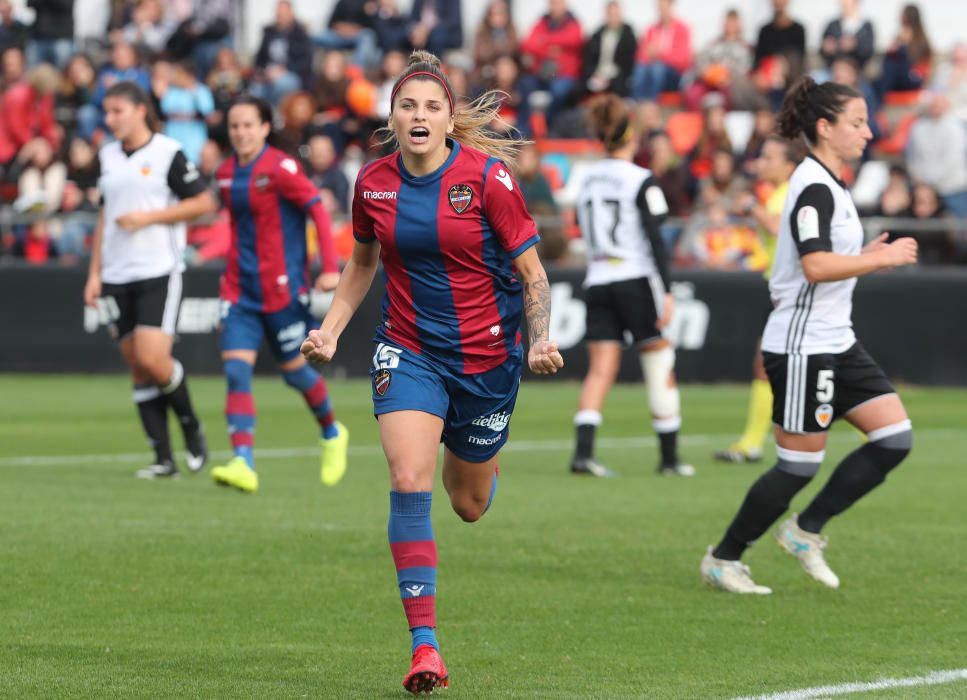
x=902, y=251
x=319, y=347
x=92, y=290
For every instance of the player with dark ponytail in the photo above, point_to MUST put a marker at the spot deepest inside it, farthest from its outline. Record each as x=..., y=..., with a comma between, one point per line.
x=620, y=209
x=818, y=370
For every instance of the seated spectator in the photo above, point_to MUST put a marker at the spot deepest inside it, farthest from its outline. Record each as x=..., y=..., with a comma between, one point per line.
x=350, y=29
x=951, y=79
x=211, y=157
x=184, y=105
x=540, y=202
x=13, y=32
x=849, y=35
x=713, y=137
x=201, y=34
x=723, y=66
x=284, y=60
x=391, y=27
x=298, y=111
x=936, y=245
x=714, y=241
x=671, y=174
x=81, y=200
x=763, y=125
x=436, y=25
x=40, y=186
x=329, y=94
x=52, y=33
x=609, y=55
x=845, y=71
x=149, y=29
x=29, y=136
x=35, y=244
x=393, y=64
x=74, y=104
x=906, y=64
x=780, y=53
x=507, y=80
x=226, y=82
x=896, y=198
x=551, y=55
x=322, y=167
x=13, y=65
x=496, y=36
x=124, y=65
x=723, y=185
x=937, y=153
x=664, y=54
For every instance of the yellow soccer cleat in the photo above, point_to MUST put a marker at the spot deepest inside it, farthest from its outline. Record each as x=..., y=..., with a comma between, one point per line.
x=333, y=457
x=236, y=474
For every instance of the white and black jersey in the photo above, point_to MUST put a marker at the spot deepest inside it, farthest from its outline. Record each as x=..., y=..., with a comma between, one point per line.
x=620, y=208
x=151, y=178
x=819, y=215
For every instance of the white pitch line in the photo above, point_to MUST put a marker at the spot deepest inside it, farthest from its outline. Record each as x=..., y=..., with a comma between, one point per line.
x=822, y=691
x=370, y=450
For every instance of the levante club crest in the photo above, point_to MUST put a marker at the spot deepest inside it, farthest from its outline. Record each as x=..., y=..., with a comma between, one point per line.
x=460, y=197
x=381, y=381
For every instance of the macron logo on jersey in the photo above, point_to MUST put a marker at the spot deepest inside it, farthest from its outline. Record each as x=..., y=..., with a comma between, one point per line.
x=370, y=194
x=504, y=177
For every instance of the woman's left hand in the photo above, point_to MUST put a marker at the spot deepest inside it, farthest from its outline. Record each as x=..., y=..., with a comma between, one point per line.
x=133, y=220
x=544, y=358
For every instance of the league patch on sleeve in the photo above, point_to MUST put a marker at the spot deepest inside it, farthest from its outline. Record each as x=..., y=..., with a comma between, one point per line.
x=807, y=221
x=655, y=199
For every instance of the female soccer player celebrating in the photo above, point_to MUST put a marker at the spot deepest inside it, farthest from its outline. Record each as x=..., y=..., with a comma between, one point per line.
x=818, y=370
x=620, y=209
x=136, y=266
x=265, y=289
x=449, y=224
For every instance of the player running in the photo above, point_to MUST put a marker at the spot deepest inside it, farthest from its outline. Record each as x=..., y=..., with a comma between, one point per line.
x=818, y=370
x=149, y=190
x=265, y=288
x=448, y=221
x=620, y=209
x=775, y=166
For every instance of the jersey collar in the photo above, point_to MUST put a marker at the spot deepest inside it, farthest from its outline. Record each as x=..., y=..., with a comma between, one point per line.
x=840, y=182
x=251, y=162
x=431, y=176
x=128, y=153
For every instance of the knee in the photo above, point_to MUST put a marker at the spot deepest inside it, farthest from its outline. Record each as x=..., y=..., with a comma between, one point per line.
x=154, y=368
x=469, y=509
x=406, y=480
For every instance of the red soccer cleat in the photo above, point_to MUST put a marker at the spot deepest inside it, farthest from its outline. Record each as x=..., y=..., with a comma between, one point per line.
x=426, y=672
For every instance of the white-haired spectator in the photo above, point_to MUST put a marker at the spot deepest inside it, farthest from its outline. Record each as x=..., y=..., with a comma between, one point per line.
x=951, y=79
x=937, y=153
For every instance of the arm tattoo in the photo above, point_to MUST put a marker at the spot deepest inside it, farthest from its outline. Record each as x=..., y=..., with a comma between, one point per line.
x=537, y=308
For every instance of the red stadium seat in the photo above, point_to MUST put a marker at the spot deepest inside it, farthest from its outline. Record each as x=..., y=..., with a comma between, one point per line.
x=896, y=142
x=670, y=99
x=575, y=147
x=684, y=129
x=902, y=98
x=553, y=175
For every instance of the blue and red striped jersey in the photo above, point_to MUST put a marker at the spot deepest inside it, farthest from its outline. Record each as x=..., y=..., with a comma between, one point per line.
x=447, y=242
x=268, y=199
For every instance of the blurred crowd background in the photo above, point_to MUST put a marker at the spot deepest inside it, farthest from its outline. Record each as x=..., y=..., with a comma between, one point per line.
x=703, y=109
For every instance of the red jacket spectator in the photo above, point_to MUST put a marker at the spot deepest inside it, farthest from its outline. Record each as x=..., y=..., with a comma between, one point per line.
x=670, y=43
x=25, y=114
x=560, y=41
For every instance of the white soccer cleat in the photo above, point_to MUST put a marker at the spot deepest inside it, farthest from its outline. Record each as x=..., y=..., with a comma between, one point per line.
x=808, y=548
x=730, y=576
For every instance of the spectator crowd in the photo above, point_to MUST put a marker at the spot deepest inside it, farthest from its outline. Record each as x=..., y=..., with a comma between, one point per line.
x=703, y=113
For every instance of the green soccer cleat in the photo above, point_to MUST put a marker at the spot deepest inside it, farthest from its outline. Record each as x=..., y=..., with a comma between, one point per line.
x=333, y=457
x=237, y=474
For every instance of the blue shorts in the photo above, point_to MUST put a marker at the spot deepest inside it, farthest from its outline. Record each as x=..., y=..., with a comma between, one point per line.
x=475, y=408
x=243, y=329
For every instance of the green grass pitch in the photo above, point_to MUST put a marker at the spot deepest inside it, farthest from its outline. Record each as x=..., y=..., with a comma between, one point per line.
x=569, y=587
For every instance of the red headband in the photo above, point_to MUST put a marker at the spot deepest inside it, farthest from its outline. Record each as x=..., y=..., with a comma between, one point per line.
x=436, y=77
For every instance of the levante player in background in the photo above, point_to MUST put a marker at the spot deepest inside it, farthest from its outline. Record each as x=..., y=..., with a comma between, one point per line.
x=449, y=223
x=265, y=288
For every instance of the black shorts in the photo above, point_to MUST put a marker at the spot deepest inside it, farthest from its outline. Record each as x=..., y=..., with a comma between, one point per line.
x=152, y=303
x=619, y=307
x=811, y=391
